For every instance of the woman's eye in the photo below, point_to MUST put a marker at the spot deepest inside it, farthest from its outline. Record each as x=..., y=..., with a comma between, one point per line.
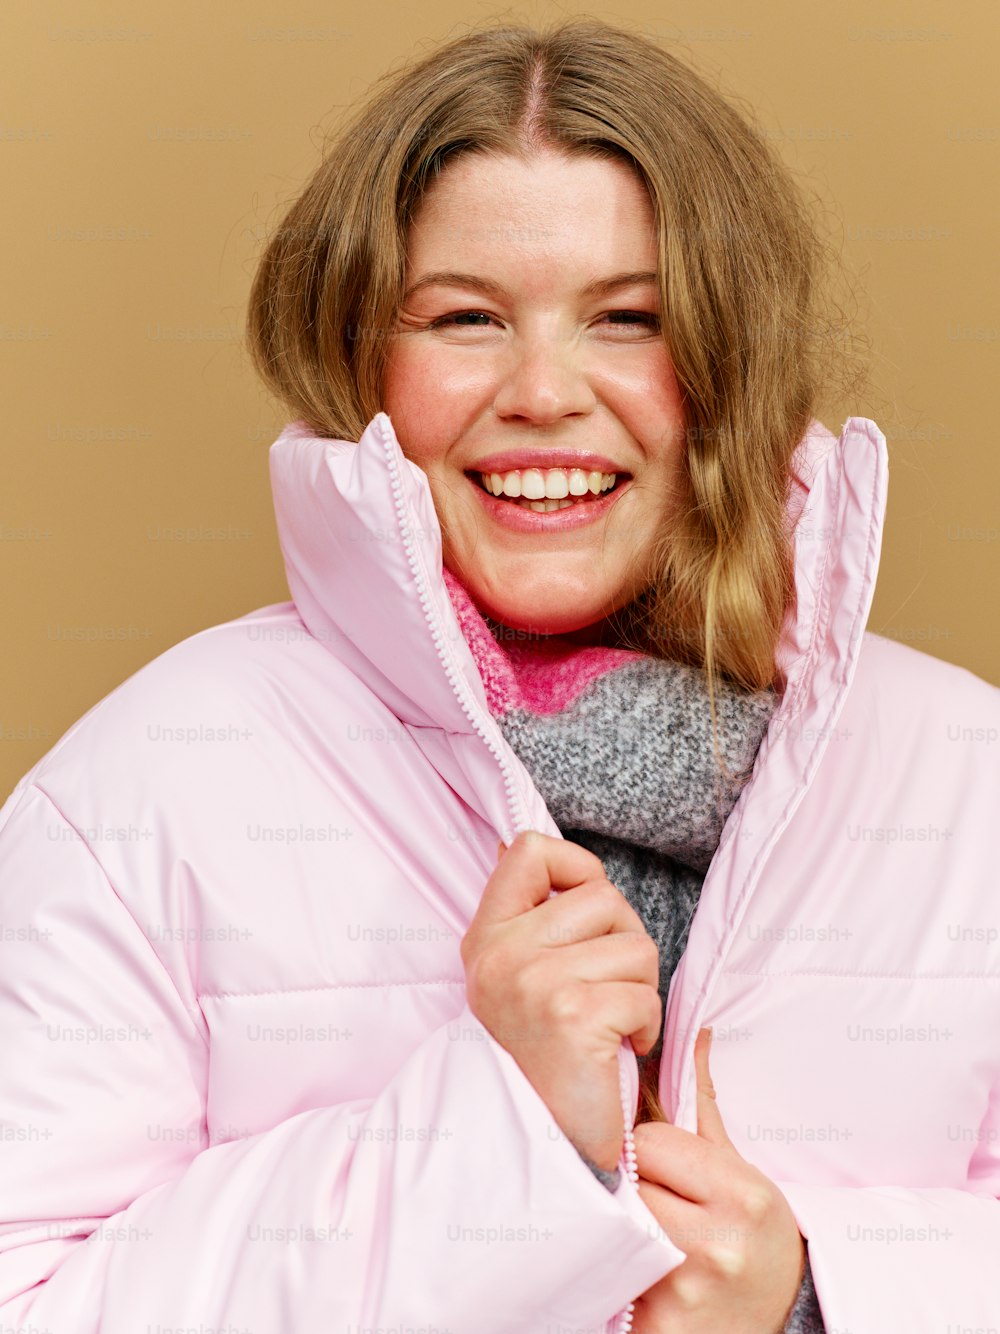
x=462, y=315
x=621, y=318
x=652, y=321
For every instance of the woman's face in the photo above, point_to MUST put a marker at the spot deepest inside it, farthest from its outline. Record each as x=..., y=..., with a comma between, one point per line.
x=503, y=363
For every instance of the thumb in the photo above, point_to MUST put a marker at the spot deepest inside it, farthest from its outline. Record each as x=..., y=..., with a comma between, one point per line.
x=710, y=1124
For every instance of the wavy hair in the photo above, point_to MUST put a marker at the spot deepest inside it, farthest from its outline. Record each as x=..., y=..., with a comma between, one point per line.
x=755, y=337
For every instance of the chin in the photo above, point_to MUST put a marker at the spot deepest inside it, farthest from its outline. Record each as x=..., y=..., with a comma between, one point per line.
x=536, y=611
x=582, y=627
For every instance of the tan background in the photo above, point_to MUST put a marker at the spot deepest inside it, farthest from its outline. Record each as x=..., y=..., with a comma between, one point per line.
x=148, y=147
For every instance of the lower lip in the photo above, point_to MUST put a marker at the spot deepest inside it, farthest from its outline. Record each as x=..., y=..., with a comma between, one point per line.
x=523, y=520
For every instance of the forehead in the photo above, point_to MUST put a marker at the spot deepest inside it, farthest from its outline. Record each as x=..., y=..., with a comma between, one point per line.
x=549, y=206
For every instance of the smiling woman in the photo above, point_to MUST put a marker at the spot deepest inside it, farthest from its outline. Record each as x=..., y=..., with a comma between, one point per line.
x=604, y=394
x=548, y=391
x=540, y=197
x=557, y=757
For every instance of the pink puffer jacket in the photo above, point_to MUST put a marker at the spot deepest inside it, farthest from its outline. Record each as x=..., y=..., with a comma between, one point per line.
x=241, y=1086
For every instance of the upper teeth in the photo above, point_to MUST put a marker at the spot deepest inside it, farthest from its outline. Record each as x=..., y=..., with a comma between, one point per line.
x=552, y=484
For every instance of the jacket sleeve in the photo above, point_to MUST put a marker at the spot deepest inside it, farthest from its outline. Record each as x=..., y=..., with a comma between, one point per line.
x=889, y=1257
x=119, y=1213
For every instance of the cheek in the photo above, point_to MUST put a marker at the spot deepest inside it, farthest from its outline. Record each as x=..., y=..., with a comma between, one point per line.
x=665, y=416
x=660, y=390
x=401, y=380
x=643, y=387
x=409, y=397
x=431, y=401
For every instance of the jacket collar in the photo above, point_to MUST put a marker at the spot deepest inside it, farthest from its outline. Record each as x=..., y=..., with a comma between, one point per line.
x=362, y=549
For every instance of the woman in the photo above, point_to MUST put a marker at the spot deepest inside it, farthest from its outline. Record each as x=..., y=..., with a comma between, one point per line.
x=288, y=1047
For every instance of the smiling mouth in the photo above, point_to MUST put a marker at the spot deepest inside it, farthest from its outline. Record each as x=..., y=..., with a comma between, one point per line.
x=547, y=504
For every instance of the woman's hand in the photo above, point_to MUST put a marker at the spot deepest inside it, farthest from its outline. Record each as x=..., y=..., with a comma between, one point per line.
x=560, y=981
x=745, y=1255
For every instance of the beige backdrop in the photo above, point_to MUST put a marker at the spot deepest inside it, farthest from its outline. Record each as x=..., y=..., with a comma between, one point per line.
x=148, y=147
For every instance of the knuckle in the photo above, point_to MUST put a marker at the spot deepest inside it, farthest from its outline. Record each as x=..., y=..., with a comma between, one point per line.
x=725, y=1261
x=473, y=980
x=519, y=981
x=592, y=857
x=651, y=952
x=567, y=1005
x=689, y=1290
x=489, y=970
x=585, y=894
x=599, y=871
x=756, y=1201
x=607, y=888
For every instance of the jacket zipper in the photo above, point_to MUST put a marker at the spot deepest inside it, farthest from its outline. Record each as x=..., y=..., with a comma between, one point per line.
x=622, y=1323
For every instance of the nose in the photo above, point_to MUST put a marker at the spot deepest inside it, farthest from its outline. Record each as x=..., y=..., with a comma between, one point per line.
x=543, y=381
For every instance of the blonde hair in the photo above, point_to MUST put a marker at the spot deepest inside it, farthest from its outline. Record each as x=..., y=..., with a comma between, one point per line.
x=753, y=338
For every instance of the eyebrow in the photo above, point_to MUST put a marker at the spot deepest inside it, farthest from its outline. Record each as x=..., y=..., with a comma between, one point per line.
x=597, y=288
